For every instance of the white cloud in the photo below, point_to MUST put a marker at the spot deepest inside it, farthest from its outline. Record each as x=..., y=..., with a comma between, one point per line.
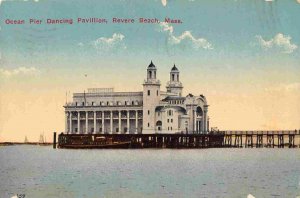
x=164, y=2
x=27, y=71
x=280, y=41
x=106, y=44
x=185, y=38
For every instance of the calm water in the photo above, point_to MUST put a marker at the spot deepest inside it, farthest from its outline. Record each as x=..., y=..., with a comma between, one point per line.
x=38, y=171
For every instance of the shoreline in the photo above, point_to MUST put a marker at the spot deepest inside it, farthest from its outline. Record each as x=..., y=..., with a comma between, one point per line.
x=22, y=143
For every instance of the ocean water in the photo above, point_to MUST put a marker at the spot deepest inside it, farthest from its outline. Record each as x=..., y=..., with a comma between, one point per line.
x=40, y=171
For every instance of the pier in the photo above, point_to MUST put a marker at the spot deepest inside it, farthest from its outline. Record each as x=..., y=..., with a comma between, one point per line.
x=140, y=140
x=225, y=139
x=259, y=139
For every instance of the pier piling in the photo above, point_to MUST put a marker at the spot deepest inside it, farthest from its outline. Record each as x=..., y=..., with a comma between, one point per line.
x=54, y=140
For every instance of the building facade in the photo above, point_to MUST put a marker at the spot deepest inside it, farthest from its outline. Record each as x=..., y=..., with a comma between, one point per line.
x=101, y=110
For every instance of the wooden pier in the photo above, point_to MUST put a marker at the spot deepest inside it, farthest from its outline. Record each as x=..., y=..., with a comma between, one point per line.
x=140, y=140
x=227, y=139
x=260, y=139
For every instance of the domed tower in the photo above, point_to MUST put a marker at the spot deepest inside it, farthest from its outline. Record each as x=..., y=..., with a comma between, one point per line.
x=151, y=98
x=174, y=85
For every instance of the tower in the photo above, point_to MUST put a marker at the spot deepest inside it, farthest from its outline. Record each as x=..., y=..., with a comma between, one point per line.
x=151, y=98
x=174, y=85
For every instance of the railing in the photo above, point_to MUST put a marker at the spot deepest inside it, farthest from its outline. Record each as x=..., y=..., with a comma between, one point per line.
x=275, y=132
x=108, y=94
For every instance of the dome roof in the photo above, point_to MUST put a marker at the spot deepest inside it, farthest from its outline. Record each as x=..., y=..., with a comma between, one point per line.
x=174, y=68
x=151, y=65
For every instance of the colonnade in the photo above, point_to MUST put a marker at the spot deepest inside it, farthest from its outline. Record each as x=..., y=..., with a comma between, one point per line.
x=71, y=127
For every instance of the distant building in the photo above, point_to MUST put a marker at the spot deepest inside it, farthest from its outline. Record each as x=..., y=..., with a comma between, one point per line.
x=148, y=111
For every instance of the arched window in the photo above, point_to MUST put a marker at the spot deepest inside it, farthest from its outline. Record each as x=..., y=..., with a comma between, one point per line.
x=158, y=123
x=199, y=111
x=173, y=77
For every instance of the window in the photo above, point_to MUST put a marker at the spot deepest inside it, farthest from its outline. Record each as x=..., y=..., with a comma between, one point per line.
x=157, y=92
x=125, y=102
x=117, y=130
x=148, y=124
x=168, y=120
x=173, y=76
x=148, y=112
x=148, y=92
x=170, y=113
x=171, y=128
x=132, y=103
x=171, y=120
x=92, y=103
x=168, y=128
x=82, y=103
x=76, y=103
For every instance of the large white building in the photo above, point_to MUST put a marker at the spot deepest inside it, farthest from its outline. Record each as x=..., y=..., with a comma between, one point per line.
x=149, y=111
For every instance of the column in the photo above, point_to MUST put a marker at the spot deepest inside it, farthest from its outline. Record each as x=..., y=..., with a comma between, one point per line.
x=78, y=122
x=66, y=122
x=207, y=125
x=195, y=119
x=120, y=121
x=95, y=113
x=111, y=122
x=70, y=117
x=204, y=121
x=86, y=122
x=136, y=121
x=128, y=121
x=103, y=121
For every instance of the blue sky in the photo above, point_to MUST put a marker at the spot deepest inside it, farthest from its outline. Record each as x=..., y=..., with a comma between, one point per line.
x=246, y=48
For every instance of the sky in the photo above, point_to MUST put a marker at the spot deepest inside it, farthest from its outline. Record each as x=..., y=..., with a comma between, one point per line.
x=243, y=55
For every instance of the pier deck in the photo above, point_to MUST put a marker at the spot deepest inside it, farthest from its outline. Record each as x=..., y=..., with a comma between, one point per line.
x=246, y=139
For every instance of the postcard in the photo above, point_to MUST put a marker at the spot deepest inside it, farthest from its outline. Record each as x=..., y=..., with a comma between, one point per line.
x=154, y=98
